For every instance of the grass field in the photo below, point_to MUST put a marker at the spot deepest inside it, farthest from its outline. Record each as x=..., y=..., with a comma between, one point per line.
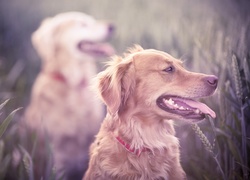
x=210, y=36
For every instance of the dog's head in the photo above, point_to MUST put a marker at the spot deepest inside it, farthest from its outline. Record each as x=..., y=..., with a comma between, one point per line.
x=75, y=33
x=68, y=44
x=153, y=83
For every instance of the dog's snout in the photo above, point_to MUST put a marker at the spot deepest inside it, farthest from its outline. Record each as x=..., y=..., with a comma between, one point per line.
x=212, y=80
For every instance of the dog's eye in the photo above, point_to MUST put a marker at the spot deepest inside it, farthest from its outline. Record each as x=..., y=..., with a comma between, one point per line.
x=169, y=69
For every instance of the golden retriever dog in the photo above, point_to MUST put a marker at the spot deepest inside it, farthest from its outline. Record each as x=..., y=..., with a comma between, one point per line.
x=145, y=91
x=62, y=105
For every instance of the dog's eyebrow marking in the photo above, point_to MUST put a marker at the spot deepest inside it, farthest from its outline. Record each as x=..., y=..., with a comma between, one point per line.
x=169, y=62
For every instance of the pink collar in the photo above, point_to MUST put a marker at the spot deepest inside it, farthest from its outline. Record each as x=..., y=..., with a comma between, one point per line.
x=137, y=152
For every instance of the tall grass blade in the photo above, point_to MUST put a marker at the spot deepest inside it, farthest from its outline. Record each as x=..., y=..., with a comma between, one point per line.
x=213, y=128
x=246, y=68
x=244, y=145
x=203, y=138
x=1, y=150
x=237, y=78
x=208, y=146
x=7, y=121
x=4, y=166
x=4, y=103
x=28, y=163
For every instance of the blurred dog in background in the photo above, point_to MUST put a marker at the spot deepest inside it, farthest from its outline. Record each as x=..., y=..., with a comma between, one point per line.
x=62, y=105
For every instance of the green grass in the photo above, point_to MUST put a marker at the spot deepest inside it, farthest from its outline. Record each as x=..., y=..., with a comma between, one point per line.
x=212, y=37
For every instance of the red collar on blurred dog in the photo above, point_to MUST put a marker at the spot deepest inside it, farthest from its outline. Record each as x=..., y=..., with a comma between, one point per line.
x=60, y=77
x=127, y=146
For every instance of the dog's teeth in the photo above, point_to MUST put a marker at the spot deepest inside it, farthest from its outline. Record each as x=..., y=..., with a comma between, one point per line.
x=166, y=101
x=170, y=101
x=197, y=111
x=181, y=108
x=176, y=106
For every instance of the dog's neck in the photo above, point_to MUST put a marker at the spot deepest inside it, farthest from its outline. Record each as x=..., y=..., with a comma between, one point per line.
x=136, y=135
x=128, y=147
x=59, y=77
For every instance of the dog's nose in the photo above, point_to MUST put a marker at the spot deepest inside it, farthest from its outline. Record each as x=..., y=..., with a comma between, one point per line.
x=111, y=28
x=212, y=80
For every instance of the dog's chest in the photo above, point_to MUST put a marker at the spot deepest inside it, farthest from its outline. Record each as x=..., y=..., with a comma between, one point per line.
x=65, y=109
x=149, y=165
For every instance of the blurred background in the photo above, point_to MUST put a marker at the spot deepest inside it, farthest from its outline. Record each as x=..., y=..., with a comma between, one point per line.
x=211, y=36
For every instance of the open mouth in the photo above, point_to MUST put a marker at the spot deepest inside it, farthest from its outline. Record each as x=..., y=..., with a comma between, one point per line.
x=96, y=48
x=186, y=108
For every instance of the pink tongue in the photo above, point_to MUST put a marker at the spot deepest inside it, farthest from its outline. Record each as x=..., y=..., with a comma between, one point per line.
x=202, y=107
x=107, y=49
x=98, y=48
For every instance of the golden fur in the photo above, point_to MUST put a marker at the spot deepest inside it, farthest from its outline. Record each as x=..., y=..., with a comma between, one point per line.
x=62, y=104
x=132, y=87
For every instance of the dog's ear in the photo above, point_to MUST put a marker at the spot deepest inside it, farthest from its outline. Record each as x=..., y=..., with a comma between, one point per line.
x=41, y=39
x=116, y=83
x=134, y=49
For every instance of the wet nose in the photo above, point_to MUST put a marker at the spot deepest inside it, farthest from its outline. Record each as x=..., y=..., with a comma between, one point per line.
x=111, y=28
x=212, y=80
